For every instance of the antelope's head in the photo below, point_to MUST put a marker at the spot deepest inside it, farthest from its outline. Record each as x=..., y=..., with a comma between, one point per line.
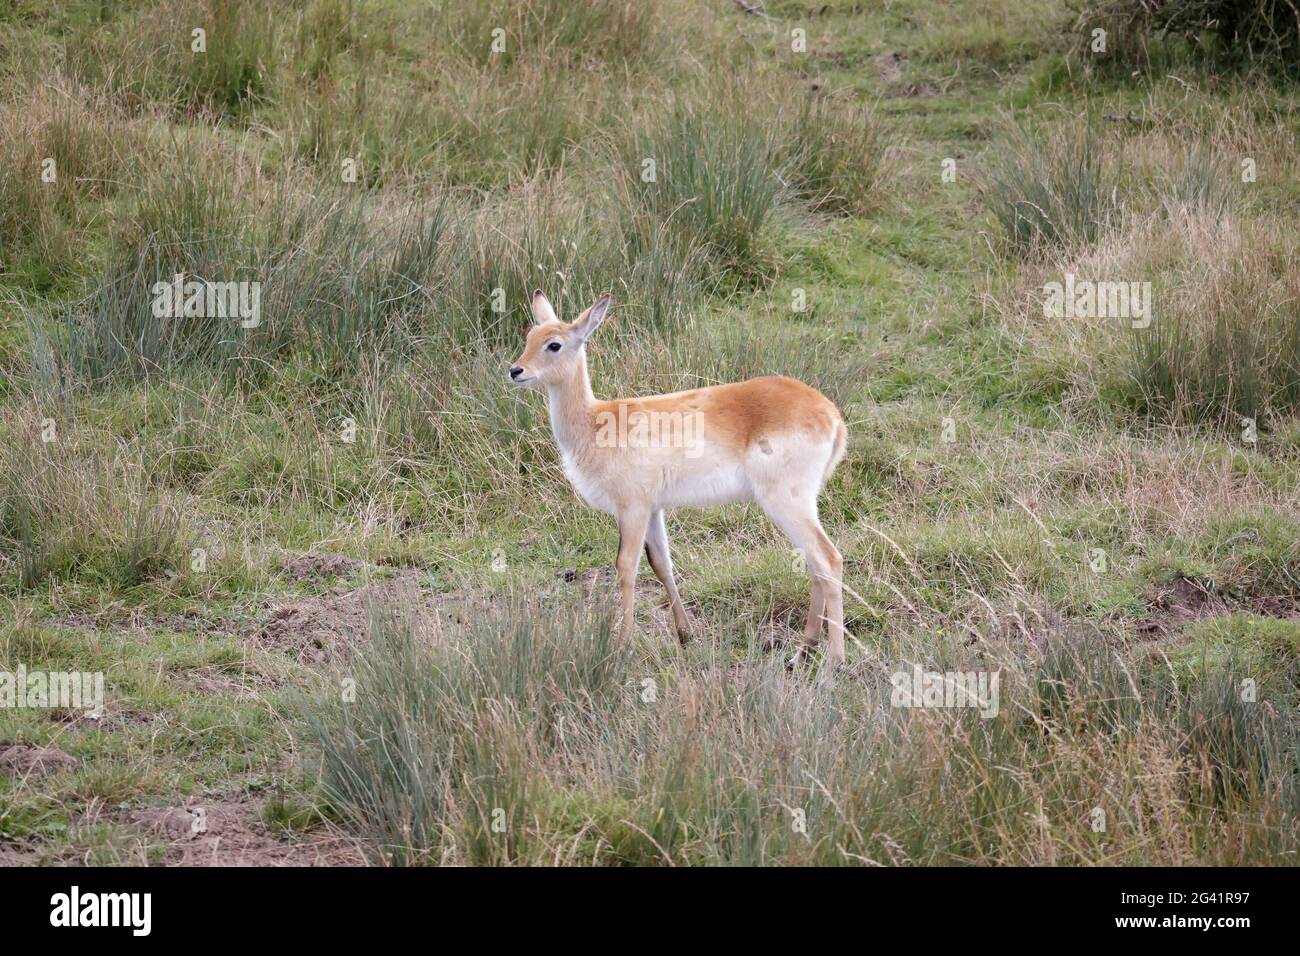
x=553, y=348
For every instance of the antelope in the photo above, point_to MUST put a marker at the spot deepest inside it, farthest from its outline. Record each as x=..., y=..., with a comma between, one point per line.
x=771, y=440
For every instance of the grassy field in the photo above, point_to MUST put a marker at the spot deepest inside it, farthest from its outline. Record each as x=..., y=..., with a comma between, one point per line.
x=347, y=608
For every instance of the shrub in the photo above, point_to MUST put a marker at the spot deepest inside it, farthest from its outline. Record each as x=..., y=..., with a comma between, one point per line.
x=1148, y=33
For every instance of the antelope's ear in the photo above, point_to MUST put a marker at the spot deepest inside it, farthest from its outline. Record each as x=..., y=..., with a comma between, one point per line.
x=591, y=319
x=543, y=312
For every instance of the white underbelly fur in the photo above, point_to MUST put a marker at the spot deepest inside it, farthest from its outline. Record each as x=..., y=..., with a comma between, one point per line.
x=696, y=488
x=703, y=490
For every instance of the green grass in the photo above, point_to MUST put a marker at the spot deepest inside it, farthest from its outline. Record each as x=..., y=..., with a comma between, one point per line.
x=530, y=736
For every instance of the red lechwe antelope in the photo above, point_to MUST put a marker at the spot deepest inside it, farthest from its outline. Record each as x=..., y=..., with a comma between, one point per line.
x=771, y=440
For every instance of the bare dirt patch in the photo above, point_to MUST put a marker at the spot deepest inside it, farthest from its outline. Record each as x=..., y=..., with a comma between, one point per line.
x=214, y=683
x=113, y=716
x=318, y=629
x=323, y=628
x=23, y=760
x=229, y=833
x=890, y=67
x=117, y=618
x=307, y=566
x=77, y=619
x=15, y=856
x=1185, y=600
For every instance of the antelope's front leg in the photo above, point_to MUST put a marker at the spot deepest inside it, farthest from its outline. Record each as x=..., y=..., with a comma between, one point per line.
x=632, y=525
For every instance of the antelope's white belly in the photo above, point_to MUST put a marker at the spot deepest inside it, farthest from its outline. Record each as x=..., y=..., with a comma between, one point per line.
x=665, y=487
x=702, y=490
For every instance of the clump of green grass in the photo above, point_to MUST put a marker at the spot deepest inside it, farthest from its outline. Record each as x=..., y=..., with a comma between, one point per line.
x=626, y=33
x=154, y=56
x=347, y=277
x=327, y=29
x=838, y=160
x=451, y=743
x=1052, y=192
x=529, y=738
x=1236, y=749
x=475, y=126
x=86, y=511
x=234, y=71
x=1076, y=184
x=711, y=174
x=1264, y=649
x=337, y=277
x=64, y=150
x=509, y=91
x=1227, y=353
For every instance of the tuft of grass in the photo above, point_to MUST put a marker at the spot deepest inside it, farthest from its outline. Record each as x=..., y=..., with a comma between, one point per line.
x=334, y=279
x=709, y=174
x=69, y=510
x=65, y=148
x=1053, y=192
x=1228, y=353
x=153, y=57
x=526, y=738
x=625, y=33
x=839, y=162
x=436, y=754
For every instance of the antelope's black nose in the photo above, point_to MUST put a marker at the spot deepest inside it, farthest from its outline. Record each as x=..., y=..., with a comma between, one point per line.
x=516, y=371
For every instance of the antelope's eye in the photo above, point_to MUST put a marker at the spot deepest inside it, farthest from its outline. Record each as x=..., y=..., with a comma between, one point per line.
x=553, y=347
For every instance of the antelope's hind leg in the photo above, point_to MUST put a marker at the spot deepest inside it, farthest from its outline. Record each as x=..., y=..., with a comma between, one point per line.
x=797, y=517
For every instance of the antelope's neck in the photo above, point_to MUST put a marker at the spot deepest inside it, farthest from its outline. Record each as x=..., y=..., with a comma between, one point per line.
x=571, y=405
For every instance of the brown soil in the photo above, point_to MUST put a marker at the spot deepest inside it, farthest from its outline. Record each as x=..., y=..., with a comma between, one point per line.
x=182, y=622
x=217, y=684
x=229, y=833
x=1185, y=600
x=13, y=856
x=22, y=760
x=324, y=627
x=890, y=66
x=320, y=566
